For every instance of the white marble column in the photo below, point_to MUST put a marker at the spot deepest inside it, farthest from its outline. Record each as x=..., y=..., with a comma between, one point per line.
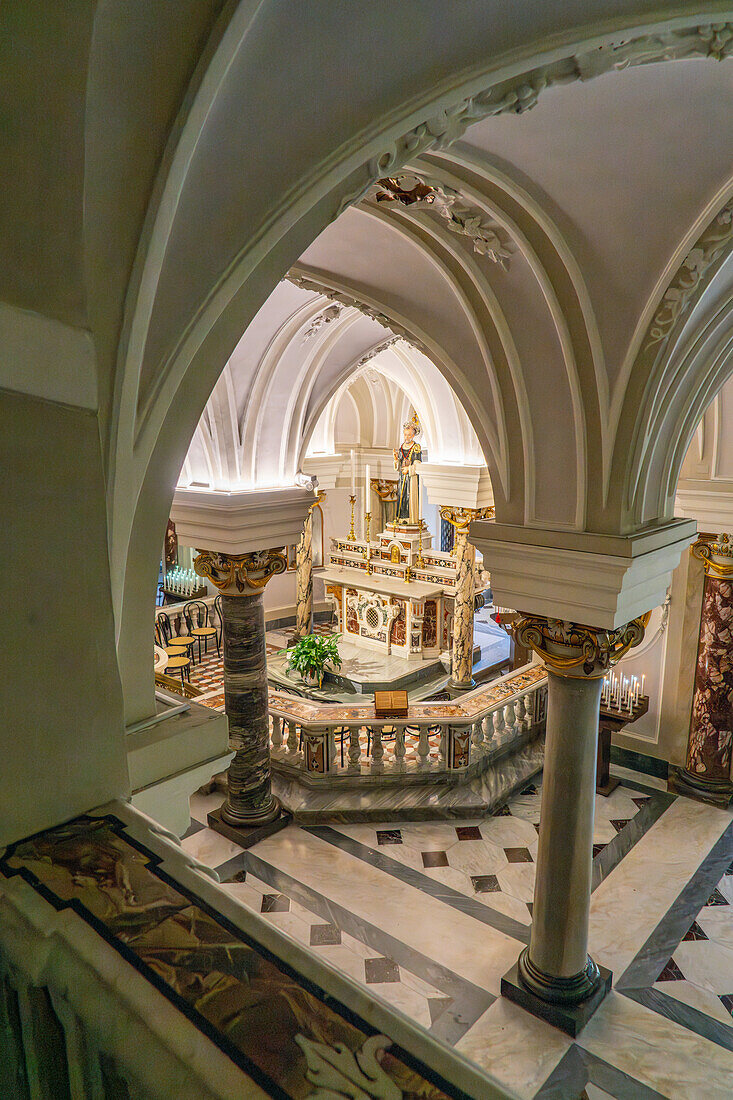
x=555, y=977
x=304, y=580
x=241, y=581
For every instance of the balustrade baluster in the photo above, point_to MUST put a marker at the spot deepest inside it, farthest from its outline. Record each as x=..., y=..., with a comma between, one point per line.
x=521, y=713
x=354, y=750
x=443, y=747
x=377, y=749
x=488, y=728
x=423, y=747
x=529, y=709
x=333, y=762
x=499, y=724
x=292, y=738
x=478, y=736
x=511, y=717
x=277, y=732
x=399, y=747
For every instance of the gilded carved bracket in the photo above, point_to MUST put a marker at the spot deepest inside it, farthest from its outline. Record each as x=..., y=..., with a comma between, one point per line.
x=462, y=518
x=571, y=649
x=717, y=556
x=242, y=574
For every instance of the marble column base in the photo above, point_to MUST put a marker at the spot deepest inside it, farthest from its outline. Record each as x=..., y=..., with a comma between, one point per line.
x=716, y=792
x=247, y=835
x=455, y=688
x=568, y=1017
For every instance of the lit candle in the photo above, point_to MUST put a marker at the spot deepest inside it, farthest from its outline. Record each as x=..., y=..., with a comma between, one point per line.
x=642, y=684
x=353, y=473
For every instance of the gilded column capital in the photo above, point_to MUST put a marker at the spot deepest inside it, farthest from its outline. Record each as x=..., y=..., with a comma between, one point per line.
x=717, y=556
x=571, y=649
x=242, y=574
x=462, y=518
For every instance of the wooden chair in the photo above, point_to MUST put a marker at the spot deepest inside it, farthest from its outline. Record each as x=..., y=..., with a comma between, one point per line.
x=196, y=614
x=178, y=660
x=180, y=641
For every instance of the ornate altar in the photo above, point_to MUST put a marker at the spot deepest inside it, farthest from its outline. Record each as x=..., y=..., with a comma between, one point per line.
x=395, y=593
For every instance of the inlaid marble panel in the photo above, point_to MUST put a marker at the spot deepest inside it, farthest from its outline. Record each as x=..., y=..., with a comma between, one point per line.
x=280, y=1028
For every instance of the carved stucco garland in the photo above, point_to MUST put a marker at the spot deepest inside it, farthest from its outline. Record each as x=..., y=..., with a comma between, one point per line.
x=707, y=249
x=325, y=317
x=377, y=350
x=521, y=93
x=461, y=217
x=307, y=283
x=586, y=649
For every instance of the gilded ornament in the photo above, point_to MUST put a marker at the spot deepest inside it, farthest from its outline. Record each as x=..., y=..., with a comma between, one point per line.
x=462, y=518
x=572, y=649
x=708, y=552
x=240, y=574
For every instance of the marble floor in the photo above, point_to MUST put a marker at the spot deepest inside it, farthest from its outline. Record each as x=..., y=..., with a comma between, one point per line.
x=428, y=916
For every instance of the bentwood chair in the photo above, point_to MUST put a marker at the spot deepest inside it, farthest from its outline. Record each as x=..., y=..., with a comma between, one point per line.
x=196, y=614
x=177, y=659
x=182, y=641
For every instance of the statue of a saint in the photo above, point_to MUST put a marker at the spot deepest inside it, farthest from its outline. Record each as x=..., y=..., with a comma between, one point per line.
x=408, y=503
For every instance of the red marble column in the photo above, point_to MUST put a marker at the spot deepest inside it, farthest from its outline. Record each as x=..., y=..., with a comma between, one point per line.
x=707, y=769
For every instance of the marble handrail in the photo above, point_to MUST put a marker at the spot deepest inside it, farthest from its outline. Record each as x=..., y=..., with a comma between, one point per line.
x=304, y=731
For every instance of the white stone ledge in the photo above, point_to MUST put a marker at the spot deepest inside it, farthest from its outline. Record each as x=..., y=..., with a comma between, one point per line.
x=599, y=580
x=238, y=523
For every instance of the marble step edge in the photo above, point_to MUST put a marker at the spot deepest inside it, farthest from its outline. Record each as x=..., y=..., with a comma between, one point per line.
x=310, y=807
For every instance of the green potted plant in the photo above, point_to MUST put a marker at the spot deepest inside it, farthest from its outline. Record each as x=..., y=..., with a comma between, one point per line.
x=311, y=654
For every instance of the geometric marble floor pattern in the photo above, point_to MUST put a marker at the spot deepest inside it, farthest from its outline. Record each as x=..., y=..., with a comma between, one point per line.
x=429, y=915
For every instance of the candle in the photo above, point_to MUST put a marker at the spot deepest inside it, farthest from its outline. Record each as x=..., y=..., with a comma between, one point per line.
x=368, y=496
x=642, y=684
x=353, y=473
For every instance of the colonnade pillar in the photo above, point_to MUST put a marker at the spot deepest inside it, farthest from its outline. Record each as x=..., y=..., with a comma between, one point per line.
x=462, y=649
x=304, y=580
x=249, y=803
x=554, y=977
x=706, y=774
x=464, y=602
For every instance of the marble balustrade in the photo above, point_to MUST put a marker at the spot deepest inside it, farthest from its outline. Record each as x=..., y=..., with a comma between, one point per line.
x=450, y=736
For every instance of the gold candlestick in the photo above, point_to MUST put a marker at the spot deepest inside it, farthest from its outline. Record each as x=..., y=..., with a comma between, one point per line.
x=420, y=563
x=367, y=523
x=352, y=536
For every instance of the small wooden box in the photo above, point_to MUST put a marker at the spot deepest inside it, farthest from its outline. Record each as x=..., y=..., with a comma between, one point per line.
x=390, y=704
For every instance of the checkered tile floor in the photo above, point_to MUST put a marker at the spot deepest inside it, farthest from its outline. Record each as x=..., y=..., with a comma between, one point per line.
x=491, y=861
x=700, y=970
x=208, y=674
x=421, y=1001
